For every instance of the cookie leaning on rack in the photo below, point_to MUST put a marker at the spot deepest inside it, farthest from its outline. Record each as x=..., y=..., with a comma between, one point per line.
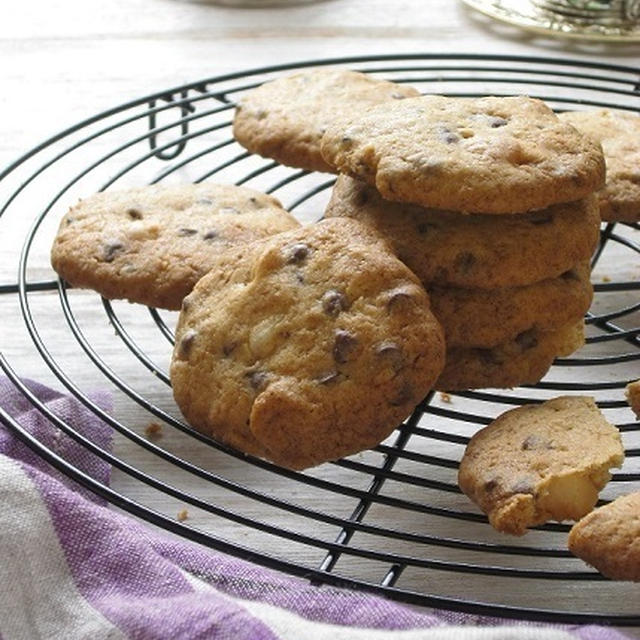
x=312, y=345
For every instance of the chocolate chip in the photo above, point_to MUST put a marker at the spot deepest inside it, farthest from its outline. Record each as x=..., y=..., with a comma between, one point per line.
x=541, y=218
x=346, y=141
x=185, y=231
x=386, y=348
x=447, y=136
x=440, y=274
x=496, y=122
x=111, y=249
x=210, y=235
x=404, y=395
x=534, y=441
x=328, y=378
x=204, y=201
x=69, y=221
x=227, y=349
x=570, y=275
x=343, y=346
x=258, y=204
x=488, y=356
x=362, y=197
x=333, y=302
x=391, y=352
x=464, y=262
x=297, y=253
x=134, y=214
x=424, y=227
x=186, y=304
x=257, y=379
x=262, y=114
x=527, y=339
x=399, y=296
x=186, y=343
x=491, y=485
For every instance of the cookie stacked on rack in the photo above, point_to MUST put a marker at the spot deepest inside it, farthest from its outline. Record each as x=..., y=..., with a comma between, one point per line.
x=490, y=202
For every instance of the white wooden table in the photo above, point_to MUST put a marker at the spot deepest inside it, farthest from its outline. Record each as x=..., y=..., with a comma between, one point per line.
x=64, y=60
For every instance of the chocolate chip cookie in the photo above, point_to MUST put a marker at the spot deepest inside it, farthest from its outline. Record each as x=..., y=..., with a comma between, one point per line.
x=152, y=244
x=487, y=318
x=479, y=155
x=632, y=393
x=540, y=462
x=609, y=538
x=312, y=345
x=475, y=251
x=524, y=360
x=284, y=119
x=619, y=134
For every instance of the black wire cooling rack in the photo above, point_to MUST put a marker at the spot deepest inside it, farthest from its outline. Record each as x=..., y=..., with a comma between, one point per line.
x=390, y=520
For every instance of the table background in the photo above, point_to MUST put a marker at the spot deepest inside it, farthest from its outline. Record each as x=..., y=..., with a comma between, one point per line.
x=64, y=60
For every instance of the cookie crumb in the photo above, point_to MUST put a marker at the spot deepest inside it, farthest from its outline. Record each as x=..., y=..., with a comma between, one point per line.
x=632, y=394
x=153, y=430
x=606, y=279
x=445, y=397
x=183, y=514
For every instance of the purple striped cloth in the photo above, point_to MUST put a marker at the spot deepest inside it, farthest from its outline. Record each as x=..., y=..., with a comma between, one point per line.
x=71, y=567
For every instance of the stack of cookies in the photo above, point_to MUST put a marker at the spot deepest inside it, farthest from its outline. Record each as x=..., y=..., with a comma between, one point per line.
x=490, y=202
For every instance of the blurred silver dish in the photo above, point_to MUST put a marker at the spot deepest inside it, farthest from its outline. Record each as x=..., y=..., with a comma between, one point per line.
x=605, y=20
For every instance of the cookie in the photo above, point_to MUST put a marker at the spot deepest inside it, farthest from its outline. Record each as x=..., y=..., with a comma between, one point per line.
x=609, y=538
x=152, y=244
x=632, y=393
x=475, y=251
x=477, y=318
x=284, y=119
x=524, y=360
x=540, y=462
x=477, y=155
x=315, y=345
x=619, y=134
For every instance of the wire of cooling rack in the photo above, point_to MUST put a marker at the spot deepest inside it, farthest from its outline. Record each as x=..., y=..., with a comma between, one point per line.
x=391, y=520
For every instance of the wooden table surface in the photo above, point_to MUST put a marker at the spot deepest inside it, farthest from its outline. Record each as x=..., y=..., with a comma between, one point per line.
x=64, y=60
